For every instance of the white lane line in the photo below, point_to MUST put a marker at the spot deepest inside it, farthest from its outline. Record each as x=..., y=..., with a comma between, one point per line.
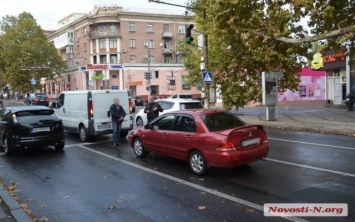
x=198, y=187
x=312, y=168
x=315, y=144
x=85, y=144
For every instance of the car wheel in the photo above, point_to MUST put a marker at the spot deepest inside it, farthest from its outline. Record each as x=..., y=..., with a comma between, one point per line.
x=198, y=163
x=123, y=134
x=139, y=122
x=84, y=137
x=59, y=146
x=7, y=147
x=138, y=148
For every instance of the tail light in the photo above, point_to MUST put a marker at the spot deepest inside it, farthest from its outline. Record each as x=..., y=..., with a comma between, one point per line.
x=130, y=105
x=228, y=146
x=47, y=100
x=264, y=138
x=36, y=99
x=91, y=109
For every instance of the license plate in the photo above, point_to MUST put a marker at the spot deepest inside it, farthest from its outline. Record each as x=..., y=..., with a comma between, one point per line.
x=105, y=126
x=42, y=100
x=250, y=142
x=41, y=129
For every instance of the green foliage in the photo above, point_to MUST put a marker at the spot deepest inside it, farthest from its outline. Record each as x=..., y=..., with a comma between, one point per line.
x=247, y=37
x=24, y=45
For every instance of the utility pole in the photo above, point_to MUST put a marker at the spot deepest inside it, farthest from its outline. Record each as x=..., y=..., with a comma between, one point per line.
x=148, y=74
x=205, y=57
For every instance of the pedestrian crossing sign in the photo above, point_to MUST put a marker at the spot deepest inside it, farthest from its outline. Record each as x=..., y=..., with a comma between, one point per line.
x=207, y=77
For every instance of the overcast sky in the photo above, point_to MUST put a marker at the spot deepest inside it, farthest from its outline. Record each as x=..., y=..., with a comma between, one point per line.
x=48, y=12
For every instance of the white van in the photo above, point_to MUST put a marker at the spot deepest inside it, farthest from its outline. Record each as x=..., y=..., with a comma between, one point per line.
x=87, y=112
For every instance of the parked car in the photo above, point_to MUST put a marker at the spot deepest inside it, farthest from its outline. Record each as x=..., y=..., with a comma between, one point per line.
x=86, y=112
x=40, y=99
x=24, y=127
x=204, y=138
x=138, y=101
x=168, y=105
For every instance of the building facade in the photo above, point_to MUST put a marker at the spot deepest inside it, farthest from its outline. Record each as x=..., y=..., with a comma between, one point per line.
x=113, y=49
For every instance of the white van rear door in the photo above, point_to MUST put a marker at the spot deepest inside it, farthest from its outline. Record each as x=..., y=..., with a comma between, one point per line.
x=102, y=100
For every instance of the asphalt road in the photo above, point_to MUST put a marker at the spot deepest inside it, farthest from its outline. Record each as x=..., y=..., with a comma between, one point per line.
x=95, y=182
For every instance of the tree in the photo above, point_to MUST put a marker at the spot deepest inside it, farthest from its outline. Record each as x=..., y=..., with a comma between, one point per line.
x=247, y=37
x=26, y=53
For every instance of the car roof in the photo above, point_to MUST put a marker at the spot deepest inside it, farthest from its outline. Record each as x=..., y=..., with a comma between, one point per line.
x=27, y=108
x=178, y=100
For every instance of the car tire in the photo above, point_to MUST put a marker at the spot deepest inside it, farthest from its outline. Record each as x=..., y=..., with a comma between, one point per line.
x=139, y=122
x=59, y=146
x=7, y=147
x=123, y=134
x=83, y=134
x=197, y=162
x=138, y=148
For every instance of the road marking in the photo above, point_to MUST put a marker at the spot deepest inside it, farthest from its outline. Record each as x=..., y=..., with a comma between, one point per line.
x=315, y=144
x=85, y=144
x=198, y=187
x=312, y=168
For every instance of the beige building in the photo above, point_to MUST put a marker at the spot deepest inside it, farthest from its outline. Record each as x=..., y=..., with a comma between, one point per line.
x=113, y=49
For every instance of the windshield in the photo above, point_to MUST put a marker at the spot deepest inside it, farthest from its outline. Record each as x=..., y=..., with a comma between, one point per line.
x=195, y=105
x=221, y=121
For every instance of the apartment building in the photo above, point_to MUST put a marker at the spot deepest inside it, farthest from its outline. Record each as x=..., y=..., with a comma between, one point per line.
x=110, y=48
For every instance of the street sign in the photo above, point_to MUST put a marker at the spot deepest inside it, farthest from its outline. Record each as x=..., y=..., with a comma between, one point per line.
x=273, y=75
x=207, y=77
x=33, y=82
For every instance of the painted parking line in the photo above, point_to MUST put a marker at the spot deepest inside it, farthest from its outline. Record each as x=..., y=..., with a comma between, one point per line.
x=312, y=168
x=314, y=144
x=86, y=144
x=198, y=187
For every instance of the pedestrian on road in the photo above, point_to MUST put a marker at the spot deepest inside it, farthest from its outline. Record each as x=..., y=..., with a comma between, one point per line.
x=117, y=116
x=17, y=95
x=152, y=109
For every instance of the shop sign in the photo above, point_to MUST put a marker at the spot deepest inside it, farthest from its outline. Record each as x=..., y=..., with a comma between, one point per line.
x=97, y=8
x=135, y=83
x=97, y=66
x=334, y=57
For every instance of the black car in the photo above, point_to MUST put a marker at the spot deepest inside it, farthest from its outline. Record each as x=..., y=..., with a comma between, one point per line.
x=139, y=101
x=40, y=99
x=29, y=127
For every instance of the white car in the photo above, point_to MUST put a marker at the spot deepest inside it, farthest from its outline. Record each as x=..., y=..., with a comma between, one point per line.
x=168, y=105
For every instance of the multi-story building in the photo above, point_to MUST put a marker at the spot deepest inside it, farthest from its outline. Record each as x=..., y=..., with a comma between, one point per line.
x=113, y=49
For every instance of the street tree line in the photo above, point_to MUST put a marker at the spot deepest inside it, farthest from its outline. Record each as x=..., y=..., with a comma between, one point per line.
x=25, y=53
x=247, y=37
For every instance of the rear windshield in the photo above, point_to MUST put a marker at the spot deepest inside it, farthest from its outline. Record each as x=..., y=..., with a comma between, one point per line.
x=41, y=95
x=221, y=121
x=35, y=115
x=196, y=105
x=185, y=96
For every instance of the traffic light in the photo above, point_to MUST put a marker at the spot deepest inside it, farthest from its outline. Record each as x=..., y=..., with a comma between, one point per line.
x=148, y=75
x=188, y=35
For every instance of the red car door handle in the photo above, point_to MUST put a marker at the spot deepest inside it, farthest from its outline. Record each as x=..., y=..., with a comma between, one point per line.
x=188, y=137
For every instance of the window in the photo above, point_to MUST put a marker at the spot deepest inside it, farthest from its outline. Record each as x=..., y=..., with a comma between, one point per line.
x=132, y=59
x=113, y=43
x=103, y=59
x=53, y=87
x=113, y=28
x=166, y=45
x=68, y=78
x=185, y=124
x=150, y=43
x=221, y=121
x=166, y=105
x=85, y=47
x=104, y=28
x=182, y=29
x=152, y=59
x=132, y=27
x=102, y=43
x=149, y=27
x=191, y=105
x=94, y=45
x=166, y=28
x=114, y=76
x=166, y=59
x=113, y=59
x=165, y=123
x=60, y=101
x=132, y=43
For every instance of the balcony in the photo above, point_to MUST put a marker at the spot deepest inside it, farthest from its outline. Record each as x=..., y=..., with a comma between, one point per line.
x=104, y=34
x=167, y=35
x=167, y=51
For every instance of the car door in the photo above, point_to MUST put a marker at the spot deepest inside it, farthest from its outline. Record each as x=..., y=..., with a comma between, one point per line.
x=60, y=110
x=182, y=137
x=155, y=138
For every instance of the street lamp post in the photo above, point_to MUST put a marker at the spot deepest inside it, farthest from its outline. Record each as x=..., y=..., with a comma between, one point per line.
x=148, y=74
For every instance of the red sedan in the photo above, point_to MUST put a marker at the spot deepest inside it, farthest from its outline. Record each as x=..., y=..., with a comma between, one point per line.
x=204, y=138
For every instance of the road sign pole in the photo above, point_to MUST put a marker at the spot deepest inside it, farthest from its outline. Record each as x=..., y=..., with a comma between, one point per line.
x=205, y=56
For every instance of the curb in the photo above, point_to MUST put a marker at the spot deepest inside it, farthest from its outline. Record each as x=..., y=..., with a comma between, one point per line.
x=17, y=212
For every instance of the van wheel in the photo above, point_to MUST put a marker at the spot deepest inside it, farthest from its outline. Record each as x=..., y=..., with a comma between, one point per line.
x=123, y=134
x=83, y=133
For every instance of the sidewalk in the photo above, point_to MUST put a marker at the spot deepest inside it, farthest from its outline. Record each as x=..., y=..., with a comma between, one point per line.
x=320, y=119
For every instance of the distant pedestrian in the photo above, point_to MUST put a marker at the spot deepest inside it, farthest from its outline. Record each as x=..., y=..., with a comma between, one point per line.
x=117, y=116
x=17, y=95
x=152, y=109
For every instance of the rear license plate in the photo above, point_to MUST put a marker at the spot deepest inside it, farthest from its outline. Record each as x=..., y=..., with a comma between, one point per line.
x=41, y=129
x=42, y=99
x=104, y=126
x=250, y=142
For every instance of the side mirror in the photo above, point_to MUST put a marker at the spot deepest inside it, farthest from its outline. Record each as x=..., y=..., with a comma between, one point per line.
x=148, y=126
x=54, y=105
x=108, y=113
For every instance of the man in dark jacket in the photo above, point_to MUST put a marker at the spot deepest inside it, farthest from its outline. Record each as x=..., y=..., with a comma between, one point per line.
x=152, y=109
x=117, y=116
